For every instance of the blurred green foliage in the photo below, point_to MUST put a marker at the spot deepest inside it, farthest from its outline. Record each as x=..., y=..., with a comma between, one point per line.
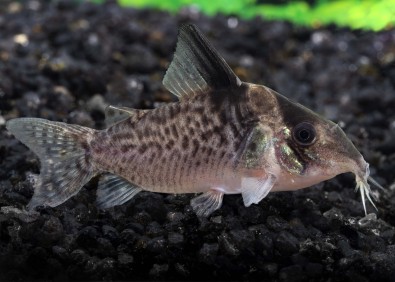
x=357, y=14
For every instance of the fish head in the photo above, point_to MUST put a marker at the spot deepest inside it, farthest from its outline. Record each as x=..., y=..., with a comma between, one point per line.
x=307, y=148
x=312, y=147
x=322, y=148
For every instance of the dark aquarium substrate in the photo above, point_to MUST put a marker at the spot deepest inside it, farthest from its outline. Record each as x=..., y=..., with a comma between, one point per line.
x=67, y=62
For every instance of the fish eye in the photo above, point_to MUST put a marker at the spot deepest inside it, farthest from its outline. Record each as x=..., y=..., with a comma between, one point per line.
x=304, y=134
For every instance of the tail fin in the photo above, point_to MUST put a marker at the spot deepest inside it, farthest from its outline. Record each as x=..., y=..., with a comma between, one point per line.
x=64, y=154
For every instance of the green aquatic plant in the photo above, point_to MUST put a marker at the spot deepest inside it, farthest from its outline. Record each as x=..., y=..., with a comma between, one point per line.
x=358, y=14
x=362, y=14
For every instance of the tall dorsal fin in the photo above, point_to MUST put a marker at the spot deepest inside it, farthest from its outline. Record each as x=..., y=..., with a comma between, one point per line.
x=197, y=67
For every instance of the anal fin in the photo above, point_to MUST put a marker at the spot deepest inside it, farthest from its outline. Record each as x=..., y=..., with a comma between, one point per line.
x=254, y=189
x=207, y=203
x=113, y=190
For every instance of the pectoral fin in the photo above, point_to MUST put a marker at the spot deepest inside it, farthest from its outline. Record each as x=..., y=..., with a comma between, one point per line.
x=254, y=189
x=113, y=190
x=207, y=203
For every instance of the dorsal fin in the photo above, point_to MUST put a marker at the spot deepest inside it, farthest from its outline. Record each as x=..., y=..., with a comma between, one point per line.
x=116, y=114
x=197, y=67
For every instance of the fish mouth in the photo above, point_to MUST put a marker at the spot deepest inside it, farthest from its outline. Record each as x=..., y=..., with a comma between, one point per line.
x=362, y=176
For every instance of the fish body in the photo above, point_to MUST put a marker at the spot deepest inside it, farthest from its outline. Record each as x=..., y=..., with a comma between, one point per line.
x=184, y=147
x=224, y=136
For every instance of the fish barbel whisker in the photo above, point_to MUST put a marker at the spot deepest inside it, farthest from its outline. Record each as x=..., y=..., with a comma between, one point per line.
x=364, y=189
x=375, y=183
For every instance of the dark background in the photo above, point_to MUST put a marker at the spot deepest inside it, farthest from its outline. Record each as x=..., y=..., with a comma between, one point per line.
x=67, y=62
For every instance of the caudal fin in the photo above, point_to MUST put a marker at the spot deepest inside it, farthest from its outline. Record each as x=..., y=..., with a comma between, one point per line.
x=64, y=155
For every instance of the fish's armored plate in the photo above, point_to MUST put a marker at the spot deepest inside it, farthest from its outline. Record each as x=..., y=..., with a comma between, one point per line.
x=224, y=136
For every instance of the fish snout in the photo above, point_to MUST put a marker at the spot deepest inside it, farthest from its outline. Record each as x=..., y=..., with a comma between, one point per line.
x=362, y=171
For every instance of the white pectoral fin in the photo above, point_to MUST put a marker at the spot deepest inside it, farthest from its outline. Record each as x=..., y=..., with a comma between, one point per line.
x=207, y=203
x=254, y=189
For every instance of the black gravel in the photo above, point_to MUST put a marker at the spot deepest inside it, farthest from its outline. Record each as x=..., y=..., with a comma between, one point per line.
x=66, y=62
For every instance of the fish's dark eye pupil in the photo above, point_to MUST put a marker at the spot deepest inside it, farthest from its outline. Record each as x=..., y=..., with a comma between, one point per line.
x=304, y=134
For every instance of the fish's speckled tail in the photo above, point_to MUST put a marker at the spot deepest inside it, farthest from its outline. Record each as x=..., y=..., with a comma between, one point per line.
x=64, y=154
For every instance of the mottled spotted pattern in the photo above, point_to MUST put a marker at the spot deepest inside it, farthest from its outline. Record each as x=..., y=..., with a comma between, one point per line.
x=181, y=147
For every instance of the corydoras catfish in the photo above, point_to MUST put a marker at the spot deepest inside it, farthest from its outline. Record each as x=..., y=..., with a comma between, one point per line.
x=224, y=136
